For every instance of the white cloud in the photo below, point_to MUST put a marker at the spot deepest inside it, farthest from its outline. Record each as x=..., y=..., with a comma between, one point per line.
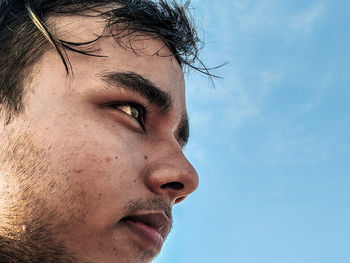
x=235, y=103
x=318, y=96
x=253, y=16
x=306, y=20
x=242, y=18
x=293, y=145
x=237, y=27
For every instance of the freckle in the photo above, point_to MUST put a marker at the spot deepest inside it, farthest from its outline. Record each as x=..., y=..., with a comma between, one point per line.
x=100, y=195
x=135, y=181
x=146, y=157
x=116, y=157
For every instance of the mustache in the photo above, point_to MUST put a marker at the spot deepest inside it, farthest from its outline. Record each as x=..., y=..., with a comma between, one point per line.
x=156, y=203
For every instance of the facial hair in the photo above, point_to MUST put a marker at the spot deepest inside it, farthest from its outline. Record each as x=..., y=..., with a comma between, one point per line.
x=28, y=224
x=26, y=234
x=37, y=246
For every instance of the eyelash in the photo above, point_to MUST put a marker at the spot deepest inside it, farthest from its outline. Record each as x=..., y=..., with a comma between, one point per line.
x=143, y=111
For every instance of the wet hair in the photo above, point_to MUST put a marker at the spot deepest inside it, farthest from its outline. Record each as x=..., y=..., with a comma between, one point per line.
x=25, y=35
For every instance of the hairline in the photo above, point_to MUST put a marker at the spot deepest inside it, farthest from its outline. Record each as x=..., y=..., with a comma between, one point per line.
x=13, y=100
x=51, y=20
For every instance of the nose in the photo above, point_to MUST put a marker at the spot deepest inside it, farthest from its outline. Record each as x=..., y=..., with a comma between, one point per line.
x=171, y=176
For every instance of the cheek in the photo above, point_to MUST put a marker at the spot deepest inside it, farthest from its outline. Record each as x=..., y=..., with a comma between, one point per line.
x=95, y=167
x=99, y=174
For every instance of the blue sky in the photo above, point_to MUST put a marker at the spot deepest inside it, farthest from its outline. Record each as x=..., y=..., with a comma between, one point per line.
x=271, y=142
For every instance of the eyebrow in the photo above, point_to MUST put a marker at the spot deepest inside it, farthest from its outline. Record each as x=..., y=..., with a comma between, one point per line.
x=146, y=89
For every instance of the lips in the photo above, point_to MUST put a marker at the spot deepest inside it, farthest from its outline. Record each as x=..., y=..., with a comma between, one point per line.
x=152, y=227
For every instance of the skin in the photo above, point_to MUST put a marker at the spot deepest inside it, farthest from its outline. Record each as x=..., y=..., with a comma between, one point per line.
x=72, y=167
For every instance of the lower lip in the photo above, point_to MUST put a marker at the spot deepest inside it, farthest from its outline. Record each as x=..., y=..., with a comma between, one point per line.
x=147, y=233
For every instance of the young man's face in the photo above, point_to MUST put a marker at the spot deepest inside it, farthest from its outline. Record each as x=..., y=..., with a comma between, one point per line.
x=94, y=165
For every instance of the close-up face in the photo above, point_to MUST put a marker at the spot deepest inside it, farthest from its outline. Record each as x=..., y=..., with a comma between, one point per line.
x=94, y=164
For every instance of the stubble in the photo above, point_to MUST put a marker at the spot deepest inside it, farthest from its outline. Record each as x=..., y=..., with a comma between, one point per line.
x=27, y=228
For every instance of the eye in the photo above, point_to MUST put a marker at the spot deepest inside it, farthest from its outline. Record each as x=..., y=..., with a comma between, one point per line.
x=131, y=110
x=134, y=110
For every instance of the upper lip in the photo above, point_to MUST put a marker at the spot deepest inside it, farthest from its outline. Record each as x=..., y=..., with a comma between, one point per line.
x=157, y=220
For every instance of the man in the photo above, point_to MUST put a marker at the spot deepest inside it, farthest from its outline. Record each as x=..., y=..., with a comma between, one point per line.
x=93, y=119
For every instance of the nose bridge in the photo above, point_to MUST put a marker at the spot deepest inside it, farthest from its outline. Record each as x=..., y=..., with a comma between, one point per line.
x=170, y=174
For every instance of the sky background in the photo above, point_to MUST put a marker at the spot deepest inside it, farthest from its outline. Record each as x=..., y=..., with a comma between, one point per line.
x=271, y=141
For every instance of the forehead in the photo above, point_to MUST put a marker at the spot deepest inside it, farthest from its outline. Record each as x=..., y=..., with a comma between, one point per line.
x=144, y=54
x=51, y=88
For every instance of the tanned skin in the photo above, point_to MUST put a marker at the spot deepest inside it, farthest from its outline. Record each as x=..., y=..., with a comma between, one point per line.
x=94, y=148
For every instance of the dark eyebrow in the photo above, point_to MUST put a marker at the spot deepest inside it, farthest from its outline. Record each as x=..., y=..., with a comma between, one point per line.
x=141, y=85
x=146, y=89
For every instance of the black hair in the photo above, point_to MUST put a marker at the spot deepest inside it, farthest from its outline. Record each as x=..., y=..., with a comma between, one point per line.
x=24, y=36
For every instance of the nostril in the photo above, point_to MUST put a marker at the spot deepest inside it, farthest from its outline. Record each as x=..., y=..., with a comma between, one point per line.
x=173, y=185
x=180, y=199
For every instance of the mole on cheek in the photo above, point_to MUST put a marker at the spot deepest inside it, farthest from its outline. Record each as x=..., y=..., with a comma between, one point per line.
x=78, y=171
x=146, y=157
